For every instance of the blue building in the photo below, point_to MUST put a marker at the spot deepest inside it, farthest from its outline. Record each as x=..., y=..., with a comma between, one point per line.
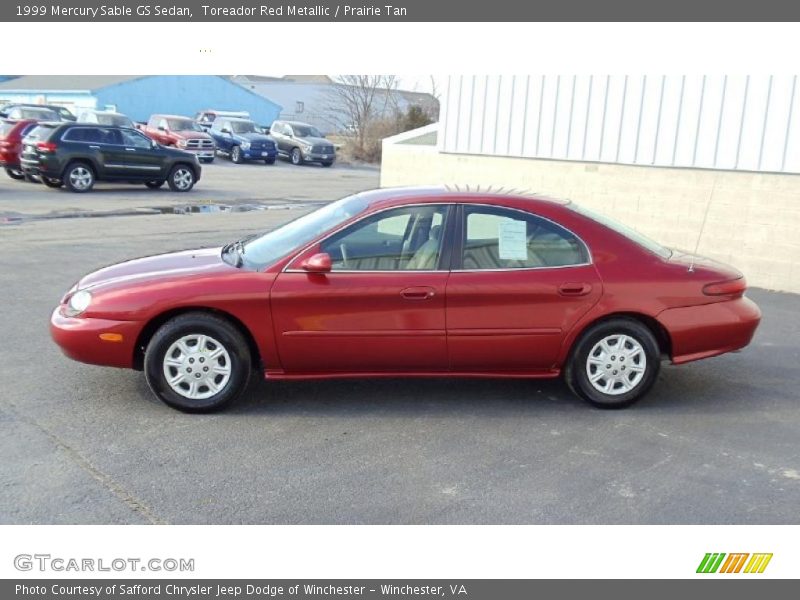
x=139, y=96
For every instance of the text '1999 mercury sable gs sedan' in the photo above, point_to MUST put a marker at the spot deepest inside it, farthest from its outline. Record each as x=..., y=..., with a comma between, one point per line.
x=411, y=282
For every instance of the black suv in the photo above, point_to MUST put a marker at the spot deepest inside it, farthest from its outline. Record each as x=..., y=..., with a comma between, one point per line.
x=78, y=154
x=301, y=142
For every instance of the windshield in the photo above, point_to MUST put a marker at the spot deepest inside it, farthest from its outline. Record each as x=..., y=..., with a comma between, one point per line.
x=38, y=113
x=624, y=230
x=183, y=125
x=117, y=120
x=306, y=131
x=265, y=250
x=243, y=127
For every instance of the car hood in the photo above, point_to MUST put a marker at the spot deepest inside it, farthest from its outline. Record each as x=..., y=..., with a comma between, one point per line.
x=252, y=137
x=167, y=267
x=316, y=140
x=189, y=134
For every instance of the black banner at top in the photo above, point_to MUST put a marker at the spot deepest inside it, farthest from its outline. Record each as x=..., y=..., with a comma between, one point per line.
x=399, y=10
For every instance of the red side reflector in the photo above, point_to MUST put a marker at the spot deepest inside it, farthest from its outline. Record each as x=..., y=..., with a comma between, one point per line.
x=732, y=287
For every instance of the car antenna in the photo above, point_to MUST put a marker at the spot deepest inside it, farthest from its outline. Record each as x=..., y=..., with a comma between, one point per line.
x=702, y=225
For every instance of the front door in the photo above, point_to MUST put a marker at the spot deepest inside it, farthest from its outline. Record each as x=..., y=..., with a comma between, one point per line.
x=382, y=306
x=519, y=283
x=138, y=156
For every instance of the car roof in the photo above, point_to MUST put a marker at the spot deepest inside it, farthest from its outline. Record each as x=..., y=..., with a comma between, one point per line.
x=243, y=119
x=452, y=193
x=163, y=116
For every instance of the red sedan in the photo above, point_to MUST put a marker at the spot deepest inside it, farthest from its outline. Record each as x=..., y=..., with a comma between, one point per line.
x=411, y=282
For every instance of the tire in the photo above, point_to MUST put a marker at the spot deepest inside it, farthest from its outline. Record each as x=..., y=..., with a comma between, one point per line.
x=327, y=164
x=78, y=177
x=178, y=347
x=154, y=185
x=52, y=183
x=620, y=379
x=297, y=157
x=207, y=161
x=236, y=155
x=15, y=174
x=269, y=161
x=32, y=178
x=181, y=178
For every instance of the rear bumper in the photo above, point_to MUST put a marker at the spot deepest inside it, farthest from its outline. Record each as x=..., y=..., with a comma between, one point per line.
x=710, y=329
x=79, y=339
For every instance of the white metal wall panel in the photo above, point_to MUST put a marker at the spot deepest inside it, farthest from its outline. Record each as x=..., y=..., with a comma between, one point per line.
x=732, y=122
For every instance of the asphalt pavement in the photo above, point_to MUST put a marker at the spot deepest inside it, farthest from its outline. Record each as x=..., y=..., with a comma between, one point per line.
x=717, y=441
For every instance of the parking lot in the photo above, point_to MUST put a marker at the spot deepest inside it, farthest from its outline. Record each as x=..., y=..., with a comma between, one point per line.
x=715, y=442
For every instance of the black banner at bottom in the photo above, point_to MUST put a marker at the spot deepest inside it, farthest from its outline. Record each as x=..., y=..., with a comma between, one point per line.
x=317, y=589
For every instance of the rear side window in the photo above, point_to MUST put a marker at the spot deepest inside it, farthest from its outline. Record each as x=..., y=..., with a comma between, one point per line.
x=498, y=238
x=93, y=135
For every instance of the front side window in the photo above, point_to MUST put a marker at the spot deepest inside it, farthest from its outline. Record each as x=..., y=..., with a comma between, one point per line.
x=135, y=139
x=402, y=239
x=499, y=238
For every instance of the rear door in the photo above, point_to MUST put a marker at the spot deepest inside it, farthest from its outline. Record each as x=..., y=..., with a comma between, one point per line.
x=382, y=306
x=518, y=285
x=101, y=144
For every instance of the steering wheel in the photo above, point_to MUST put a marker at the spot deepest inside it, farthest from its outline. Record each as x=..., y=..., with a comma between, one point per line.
x=343, y=250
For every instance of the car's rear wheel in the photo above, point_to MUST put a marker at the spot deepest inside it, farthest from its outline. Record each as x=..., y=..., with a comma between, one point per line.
x=181, y=178
x=197, y=362
x=236, y=155
x=52, y=183
x=614, y=363
x=154, y=185
x=297, y=157
x=78, y=177
x=15, y=174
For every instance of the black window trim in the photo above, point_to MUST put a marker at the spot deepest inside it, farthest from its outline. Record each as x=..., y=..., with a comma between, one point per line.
x=456, y=265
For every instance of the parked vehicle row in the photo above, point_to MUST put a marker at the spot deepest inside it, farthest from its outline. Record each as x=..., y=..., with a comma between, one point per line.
x=38, y=144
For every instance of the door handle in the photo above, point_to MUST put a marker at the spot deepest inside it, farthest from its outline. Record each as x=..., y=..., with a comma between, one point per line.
x=95, y=147
x=130, y=149
x=418, y=293
x=574, y=289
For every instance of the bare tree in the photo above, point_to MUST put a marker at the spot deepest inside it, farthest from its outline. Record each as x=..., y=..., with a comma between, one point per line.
x=359, y=100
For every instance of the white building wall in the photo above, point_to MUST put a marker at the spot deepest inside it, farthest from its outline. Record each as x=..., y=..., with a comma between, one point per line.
x=729, y=122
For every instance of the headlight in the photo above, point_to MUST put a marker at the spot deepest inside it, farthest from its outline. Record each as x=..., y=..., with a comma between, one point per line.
x=182, y=143
x=245, y=145
x=308, y=149
x=78, y=302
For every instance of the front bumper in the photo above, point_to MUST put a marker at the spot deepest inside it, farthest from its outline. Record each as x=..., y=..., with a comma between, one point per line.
x=79, y=339
x=710, y=329
x=317, y=157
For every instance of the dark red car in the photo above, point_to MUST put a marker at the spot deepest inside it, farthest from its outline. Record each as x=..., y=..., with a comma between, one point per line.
x=11, y=134
x=411, y=282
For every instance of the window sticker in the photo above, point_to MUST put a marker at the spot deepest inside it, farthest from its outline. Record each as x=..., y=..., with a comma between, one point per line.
x=512, y=236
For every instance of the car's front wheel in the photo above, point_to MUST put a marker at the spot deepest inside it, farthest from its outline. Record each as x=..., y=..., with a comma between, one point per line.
x=197, y=362
x=269, y=161
x=236, y=155
x=15, y=174
x=297, y=157
x=181, y=178
x=614, y=363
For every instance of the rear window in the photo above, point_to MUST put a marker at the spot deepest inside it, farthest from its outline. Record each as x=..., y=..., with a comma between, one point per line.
x=37, y=113
x=40, y=132
x=624, y=230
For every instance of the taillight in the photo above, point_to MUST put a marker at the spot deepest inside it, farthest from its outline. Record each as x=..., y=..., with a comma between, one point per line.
x=731, y=287
x=46, y=147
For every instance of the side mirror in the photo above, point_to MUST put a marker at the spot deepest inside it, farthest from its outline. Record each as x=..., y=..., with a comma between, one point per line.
x=318, y=263
x=162, y=128
x=225, y=130
x=153, y=144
